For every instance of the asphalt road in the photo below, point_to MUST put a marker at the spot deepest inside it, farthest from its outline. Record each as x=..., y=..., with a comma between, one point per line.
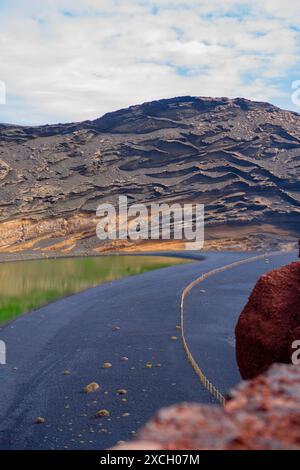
x=212, y=310
x=78, y=334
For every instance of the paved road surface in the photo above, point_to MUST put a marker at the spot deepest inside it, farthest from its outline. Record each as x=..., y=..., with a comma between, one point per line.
x=76, y=334
x=211, y=313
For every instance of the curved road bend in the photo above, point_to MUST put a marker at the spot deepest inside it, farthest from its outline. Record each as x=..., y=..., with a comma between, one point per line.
x=211, y=311
x=76, y=334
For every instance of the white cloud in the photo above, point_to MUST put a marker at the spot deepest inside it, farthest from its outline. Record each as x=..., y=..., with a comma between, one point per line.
x=67, y=60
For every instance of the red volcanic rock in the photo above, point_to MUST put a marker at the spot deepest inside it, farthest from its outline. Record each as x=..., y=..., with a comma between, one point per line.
x=270, y=321
x=263, y=413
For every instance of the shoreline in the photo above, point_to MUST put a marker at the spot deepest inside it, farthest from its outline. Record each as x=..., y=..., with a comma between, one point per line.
x=165, y=254
x=196, y=255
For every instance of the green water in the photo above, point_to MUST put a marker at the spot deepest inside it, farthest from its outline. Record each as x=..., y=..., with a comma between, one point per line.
x=26, y=285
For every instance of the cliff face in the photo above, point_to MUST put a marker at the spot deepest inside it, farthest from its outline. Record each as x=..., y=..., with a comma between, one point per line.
x=263, y=413
x=240, y=158
x=270, y=322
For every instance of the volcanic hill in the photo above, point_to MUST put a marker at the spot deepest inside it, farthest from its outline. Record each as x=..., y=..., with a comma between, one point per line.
x=239, y=158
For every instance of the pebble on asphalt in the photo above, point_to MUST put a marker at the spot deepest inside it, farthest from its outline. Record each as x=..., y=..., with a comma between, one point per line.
x=92, y=387
x=40, y=420
x=102, y=413
x=107, y=365
x=122, y=391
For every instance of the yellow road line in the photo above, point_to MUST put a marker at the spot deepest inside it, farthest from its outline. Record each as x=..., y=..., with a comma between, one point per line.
x=202, y=377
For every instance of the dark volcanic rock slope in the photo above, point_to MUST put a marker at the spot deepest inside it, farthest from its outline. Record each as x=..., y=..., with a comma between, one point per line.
x=240, y=158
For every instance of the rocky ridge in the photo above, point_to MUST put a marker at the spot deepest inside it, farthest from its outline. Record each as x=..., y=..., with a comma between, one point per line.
x=239, y=158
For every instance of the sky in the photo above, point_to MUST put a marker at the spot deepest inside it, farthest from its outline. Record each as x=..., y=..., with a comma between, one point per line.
x=71, y=60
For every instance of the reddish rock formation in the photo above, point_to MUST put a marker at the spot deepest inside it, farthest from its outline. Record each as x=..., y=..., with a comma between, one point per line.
x=263, y=413
x=270, y=321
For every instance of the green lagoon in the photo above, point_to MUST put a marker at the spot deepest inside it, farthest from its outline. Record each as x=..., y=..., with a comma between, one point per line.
x=26, y=285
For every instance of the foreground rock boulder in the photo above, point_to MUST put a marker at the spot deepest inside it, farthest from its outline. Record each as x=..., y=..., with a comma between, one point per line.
x=270, y=322
x=263, y=413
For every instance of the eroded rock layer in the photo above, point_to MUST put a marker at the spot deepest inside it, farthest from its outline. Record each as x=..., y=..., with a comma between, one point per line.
x=239, y=158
